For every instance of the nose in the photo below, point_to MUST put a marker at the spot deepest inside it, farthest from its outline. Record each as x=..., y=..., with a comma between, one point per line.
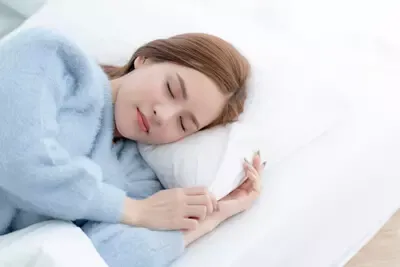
x=164, y=113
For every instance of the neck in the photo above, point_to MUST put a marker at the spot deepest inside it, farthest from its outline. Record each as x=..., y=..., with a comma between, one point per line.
x=115, y=85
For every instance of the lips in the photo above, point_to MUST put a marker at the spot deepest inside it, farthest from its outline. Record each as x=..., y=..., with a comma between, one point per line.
x=142, y=121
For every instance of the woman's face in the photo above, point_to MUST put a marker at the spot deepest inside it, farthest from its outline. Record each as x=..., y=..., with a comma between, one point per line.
x=159, y=103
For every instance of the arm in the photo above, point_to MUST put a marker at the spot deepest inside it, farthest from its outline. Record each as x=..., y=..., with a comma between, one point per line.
x=35, y=170
x=169, y=209
x=239, y=200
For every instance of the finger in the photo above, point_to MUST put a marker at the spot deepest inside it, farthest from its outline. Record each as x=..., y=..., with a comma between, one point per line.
x=214, y=202
x=198, y=211
x=211, y=200
x=189, y=224
x=254, y=176
x=263, y=165
x=194, y=191
x=205, y=200
x=251, y=170
x=257, y=160
x=249, y=165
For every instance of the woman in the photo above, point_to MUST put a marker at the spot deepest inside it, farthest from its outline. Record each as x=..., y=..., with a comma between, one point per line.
x=60, y=113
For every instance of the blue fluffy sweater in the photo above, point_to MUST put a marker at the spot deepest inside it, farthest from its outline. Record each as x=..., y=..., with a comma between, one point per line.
x=57, y=159
x=56, y=119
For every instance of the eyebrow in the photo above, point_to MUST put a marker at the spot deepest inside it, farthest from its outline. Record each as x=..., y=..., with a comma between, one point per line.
x=185, y=96
x=182, y=85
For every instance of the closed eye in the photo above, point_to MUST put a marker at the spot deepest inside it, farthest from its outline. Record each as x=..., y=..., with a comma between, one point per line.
x=169, y=90
x=181, y=122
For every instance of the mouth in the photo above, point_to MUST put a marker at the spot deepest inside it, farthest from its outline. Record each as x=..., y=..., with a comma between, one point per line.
x=142, y=121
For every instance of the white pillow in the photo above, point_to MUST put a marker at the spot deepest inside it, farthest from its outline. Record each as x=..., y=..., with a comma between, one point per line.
x=287, y=106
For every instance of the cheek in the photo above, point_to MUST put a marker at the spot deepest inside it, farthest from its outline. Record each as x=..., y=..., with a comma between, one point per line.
x=153, y=91
x=179, y=138
x=208, y=113
x=167, y=134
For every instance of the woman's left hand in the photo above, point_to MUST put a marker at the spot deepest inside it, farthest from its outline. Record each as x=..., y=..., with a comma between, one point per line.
x=239, y=200
x=243, y=197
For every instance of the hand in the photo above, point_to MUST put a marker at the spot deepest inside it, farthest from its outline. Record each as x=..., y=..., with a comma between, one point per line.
x=171, y=209
x=243, y=197
x=239, y=200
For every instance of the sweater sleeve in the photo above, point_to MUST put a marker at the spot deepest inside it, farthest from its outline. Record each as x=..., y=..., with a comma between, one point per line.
x=140, y=181
x=36, y=171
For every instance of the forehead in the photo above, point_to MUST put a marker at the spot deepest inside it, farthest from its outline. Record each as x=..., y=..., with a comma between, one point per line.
x=204, y=98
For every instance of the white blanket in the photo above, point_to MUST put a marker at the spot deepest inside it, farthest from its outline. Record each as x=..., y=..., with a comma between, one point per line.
x=49, y=244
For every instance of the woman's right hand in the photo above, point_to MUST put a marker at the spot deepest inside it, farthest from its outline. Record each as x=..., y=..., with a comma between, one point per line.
x=170, y=209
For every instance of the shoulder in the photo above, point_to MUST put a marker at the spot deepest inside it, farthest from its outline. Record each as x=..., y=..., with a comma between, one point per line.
x=37, y=37
x=41, y=45
x=34, y=40
x=36, y=50
x=44, y=58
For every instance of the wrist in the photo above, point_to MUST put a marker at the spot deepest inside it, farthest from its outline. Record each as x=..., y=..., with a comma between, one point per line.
x=132, y=214
x=204, y=227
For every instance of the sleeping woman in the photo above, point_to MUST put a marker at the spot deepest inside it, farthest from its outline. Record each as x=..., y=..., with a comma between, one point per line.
x=68, y=140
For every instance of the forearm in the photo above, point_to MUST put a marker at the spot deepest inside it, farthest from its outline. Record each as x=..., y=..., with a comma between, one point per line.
x=204, y=227
x=66, y=199
x=133, y=215
x=123, y=245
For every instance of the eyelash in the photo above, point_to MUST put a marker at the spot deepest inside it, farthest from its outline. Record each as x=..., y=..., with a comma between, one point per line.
x=183, y=127
x=170, y=91
x=172, y=95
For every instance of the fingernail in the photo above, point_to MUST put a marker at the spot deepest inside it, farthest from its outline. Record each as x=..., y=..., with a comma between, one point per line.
x=245, y=160
x=264, y=163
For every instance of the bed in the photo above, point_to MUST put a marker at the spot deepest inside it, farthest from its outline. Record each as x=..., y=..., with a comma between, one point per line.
x=293, y=224
x=320, y=205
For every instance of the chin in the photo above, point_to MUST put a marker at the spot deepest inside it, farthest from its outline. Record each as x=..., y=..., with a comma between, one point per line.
x=147, y=141
x=124, y=134
x=144, y=142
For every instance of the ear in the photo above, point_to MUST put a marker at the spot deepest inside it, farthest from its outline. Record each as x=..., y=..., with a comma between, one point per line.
x=141, y=61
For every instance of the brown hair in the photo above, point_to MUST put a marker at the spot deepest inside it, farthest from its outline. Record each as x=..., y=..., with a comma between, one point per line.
x=210, y=55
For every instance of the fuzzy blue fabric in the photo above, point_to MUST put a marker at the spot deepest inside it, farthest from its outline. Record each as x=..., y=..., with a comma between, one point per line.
x=57, y=158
